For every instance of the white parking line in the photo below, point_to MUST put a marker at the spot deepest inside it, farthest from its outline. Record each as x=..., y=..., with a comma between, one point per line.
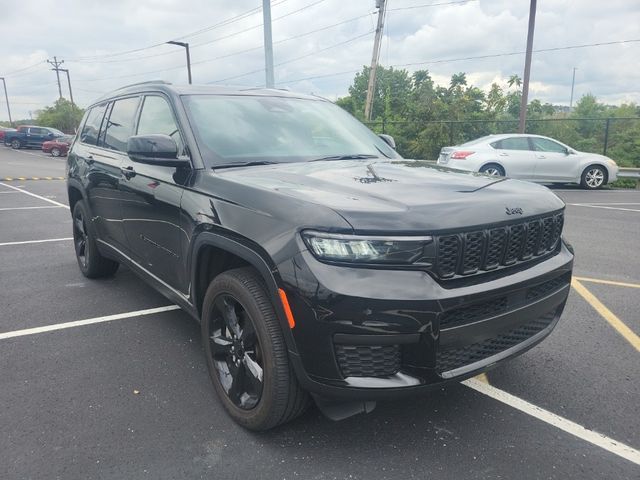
x=34, y=195
x=595, y=438
x=29, y=208
x=89, y=321
x=606, y=208
x=26, y=242
x=32, y=154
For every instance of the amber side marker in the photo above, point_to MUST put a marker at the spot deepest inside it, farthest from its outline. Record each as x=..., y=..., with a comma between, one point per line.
x=287, y=308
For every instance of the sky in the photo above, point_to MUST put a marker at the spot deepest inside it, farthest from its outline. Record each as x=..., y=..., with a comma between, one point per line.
x=318, y=45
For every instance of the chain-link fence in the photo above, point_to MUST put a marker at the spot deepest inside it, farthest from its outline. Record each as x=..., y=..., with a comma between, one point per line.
x=616, y=137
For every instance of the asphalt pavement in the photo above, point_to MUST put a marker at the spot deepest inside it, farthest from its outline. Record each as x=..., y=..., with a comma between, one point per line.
x=130, y=398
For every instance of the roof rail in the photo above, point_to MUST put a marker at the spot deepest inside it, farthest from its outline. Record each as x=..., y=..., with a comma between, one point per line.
x=145, y=83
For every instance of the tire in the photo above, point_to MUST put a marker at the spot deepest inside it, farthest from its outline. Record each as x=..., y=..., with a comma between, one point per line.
x=246, y=353
x=593, y=177
x=55, y=152
x=92, y=264
x=492, y=169
x=16, y=144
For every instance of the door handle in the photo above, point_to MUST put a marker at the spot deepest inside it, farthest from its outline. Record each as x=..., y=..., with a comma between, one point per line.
x=504, y=154
x=128, y=172
x=541, y=156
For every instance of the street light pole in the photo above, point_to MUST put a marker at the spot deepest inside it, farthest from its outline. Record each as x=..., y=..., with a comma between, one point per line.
x=6, y=97
x=66, y=70
x=573, y=82
x=268, y=44
x=186, y=47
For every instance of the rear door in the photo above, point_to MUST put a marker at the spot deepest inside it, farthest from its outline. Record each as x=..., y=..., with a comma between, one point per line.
x=151, y=198
x=553, y=161
x=515, y=154
x=36, y=136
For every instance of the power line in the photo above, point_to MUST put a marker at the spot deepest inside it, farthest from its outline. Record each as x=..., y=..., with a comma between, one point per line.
x=430, y=5
x=16, y=73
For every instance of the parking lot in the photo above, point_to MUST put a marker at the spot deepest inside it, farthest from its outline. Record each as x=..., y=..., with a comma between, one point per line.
x=106, y=379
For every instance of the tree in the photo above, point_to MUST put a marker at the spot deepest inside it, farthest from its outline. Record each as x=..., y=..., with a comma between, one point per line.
x=63, y=115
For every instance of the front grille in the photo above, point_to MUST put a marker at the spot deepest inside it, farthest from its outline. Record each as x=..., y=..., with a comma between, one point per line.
x=453, y=358
x=471, y=313
x=468, y=253
x=368, y=360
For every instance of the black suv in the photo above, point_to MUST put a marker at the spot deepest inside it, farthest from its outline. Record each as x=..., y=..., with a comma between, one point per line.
x=319, y=262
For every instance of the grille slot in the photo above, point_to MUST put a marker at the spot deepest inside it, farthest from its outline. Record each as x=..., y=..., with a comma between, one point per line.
x=472, y=313
x=483, y=250
x=549, y=286
x=459, y=357
x=368, y=360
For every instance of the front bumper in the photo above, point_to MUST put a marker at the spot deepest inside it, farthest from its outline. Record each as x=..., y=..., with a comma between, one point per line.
x=369, y=334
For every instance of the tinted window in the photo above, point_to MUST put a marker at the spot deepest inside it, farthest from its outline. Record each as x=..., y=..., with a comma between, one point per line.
x=91, y=128
x=37, y=131
x=120, y=124
x=544, y=145
x=157, y=117
x=515, y=143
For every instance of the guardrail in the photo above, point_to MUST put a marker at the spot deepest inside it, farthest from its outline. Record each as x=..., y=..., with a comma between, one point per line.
x=626, y=172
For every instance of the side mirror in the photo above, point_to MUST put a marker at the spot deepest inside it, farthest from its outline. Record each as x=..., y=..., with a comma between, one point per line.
x=155, y=149
x=388, y=139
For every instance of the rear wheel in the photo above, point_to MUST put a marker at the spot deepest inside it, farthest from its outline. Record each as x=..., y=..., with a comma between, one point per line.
x=55, y=152
x=16, y=144
x=246, y=353
x=493, y=169
x=92, y=264
x=593, y=177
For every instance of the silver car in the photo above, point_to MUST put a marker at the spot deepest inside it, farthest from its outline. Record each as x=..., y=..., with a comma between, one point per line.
x=530, y=157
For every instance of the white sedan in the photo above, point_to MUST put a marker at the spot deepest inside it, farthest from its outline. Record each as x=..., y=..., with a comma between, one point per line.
x=530, y=157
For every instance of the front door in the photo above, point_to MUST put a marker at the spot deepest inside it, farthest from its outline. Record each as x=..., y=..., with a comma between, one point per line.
x=151, y=198
x=554, y=163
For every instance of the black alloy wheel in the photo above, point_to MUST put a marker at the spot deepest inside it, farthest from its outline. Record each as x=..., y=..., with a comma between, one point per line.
x=236, y=352
x=80, y=238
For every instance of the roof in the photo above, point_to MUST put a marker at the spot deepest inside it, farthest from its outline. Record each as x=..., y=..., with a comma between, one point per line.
x=171, y=89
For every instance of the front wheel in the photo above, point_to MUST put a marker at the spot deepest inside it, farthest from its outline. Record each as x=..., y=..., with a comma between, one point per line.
x=246, y=353
x=92, y=264
x=493, y=170
x=593, y=177
x=16, y=144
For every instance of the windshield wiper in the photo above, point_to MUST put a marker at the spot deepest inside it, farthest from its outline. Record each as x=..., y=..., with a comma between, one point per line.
x=240, y=164
x=357, y=156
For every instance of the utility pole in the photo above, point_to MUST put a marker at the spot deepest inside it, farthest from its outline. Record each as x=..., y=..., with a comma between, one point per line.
x=66, y=70
x=6, y=97
x=56, y=66
x=371, y=87
x=527, y=67
x=186, y=47
x=573, y=82
x=268, y=44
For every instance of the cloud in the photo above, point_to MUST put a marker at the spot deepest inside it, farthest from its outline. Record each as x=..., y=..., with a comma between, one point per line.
x=86, y=33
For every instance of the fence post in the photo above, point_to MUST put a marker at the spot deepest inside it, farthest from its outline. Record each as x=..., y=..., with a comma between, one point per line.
x=606, y=135
x=451, y=133
x=384, y=122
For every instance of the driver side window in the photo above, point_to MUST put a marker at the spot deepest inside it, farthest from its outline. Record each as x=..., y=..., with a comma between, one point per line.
x=157, y=118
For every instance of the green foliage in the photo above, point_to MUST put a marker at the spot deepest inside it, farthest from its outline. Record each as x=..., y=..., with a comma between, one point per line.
x=424, y=117
x=63, y=115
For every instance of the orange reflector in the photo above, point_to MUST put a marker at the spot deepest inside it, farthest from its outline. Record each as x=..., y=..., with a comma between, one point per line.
x=287, y=308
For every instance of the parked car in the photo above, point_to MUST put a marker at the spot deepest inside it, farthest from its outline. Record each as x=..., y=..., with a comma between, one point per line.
x=530, y=157
x=59, y=146
x=3, y=131
x=319, y=262
x=27, y=136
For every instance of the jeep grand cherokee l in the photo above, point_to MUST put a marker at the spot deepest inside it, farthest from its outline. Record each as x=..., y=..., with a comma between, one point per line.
x=319, y=262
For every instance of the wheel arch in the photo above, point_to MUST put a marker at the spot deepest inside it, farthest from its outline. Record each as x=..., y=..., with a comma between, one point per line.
x=213, y=254
x=596, y=164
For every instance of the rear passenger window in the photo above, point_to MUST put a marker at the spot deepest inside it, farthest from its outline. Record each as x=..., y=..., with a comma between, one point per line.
x=91, y=128
x=120, y=124
x=157, y=117
x=515, y=143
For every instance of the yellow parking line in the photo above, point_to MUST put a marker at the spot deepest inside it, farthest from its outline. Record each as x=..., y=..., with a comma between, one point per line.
x=607, y=314
x=607, y=282
x=482, y=378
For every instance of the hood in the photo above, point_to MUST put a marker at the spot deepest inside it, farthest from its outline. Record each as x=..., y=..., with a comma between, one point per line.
x=400, y=195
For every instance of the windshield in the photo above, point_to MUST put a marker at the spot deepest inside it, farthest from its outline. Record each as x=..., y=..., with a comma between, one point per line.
x=243, y=128
x=56, y=132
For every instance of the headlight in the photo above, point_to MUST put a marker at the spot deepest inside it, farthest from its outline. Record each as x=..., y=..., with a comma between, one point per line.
x=365, y=249
x=611, y=162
